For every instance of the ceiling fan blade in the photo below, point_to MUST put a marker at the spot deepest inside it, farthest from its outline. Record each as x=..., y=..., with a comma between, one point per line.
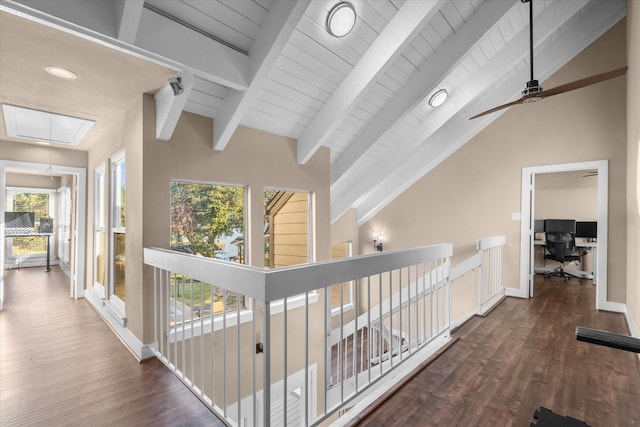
x=587, y=81
x=498, y=108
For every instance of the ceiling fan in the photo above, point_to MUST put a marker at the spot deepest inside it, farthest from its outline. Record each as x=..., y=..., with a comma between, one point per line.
x=534, y=92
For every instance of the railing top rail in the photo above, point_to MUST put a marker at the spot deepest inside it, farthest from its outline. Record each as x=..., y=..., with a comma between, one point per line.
x=272, y=285
x=293, y=280
x=241, y=278
x=491, y=242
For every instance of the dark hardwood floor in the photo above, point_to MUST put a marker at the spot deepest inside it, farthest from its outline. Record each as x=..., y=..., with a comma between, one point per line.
x=61, y=365
x=522, y=356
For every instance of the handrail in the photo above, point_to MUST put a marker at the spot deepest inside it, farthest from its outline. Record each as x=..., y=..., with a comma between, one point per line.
x=400, y=306
x=273, y=285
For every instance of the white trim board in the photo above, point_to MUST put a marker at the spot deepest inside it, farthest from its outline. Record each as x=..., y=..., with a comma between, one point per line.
x=527, y=234
x=78, y=275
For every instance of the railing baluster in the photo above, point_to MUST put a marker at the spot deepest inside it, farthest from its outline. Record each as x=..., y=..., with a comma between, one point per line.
x=238, y=352
x=284, y=360
x=191, y=342
x=224, y=352
x=306, y=359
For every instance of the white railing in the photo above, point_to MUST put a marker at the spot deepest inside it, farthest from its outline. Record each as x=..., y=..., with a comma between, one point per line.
x=476, y=283
x=277, y=327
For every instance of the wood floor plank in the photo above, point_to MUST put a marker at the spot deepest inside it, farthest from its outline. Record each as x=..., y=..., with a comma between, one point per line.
x=61, y=365
x=522, y=356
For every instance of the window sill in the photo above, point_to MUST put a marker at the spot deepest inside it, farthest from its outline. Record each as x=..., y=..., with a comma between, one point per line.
x=197, y=327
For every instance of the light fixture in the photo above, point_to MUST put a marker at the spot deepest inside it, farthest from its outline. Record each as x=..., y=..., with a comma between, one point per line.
x=176, y=85
x=438, y=98
x=341, y=19
x=377, y=241
x=60, y=72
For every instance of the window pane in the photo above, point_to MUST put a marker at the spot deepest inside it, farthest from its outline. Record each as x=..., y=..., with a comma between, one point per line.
x=286, y=228
x=206, y=220
x=101, y=257
x=100, y=243
x=119, y=265
x=120, y=196
x=39, y=203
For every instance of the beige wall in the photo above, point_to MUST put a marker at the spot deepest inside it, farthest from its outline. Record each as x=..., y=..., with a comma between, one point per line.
x=252, y=158
x=567, y=195
x=345, y=229
x=36, y=153
x=464, y=199
x=633, y=161
x=32, y=181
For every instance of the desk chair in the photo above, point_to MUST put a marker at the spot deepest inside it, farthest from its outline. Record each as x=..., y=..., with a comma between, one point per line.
x=560, y=248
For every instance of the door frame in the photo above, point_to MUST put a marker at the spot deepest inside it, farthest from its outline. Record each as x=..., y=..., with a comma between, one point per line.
x=78, y=270
x=527, y=227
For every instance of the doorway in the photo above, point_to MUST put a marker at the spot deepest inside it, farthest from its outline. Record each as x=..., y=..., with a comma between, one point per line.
x=77, y=271
x=527, y=227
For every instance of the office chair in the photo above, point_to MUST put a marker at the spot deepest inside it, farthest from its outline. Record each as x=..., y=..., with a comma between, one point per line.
x=560, y=247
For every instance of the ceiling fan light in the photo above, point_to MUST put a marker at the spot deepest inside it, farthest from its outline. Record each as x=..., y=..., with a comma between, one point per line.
x=341, y=19
x=438, y=98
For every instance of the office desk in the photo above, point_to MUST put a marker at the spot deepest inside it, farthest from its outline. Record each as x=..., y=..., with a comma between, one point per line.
x=589, y=246
x=10, y=233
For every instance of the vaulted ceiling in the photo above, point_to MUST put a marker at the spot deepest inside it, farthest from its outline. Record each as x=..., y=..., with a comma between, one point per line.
x=272, y=65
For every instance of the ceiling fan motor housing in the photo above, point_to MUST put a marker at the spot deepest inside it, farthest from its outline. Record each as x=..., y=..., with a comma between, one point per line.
x=529, y=93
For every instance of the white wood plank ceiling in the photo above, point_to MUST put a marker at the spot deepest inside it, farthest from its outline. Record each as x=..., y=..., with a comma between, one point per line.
x=272, y=65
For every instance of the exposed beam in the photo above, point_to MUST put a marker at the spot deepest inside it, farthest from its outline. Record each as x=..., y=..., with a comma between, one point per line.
x=398, y=33
x=423, y=81
x=130, y=12
x=207, y=58
x=169, y=106
x=601, y=15
x=279, y=25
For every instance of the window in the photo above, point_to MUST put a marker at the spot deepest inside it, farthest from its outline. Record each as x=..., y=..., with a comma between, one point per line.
x=206, y=220
x=287, y=228
x=29, y=250
x=64, y=228
x=99, y=229
x=118, y=227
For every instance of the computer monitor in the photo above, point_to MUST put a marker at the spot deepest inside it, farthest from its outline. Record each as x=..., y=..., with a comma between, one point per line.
x=24, y=220
x=538, y=226
x=588, y=229
x=560, y=226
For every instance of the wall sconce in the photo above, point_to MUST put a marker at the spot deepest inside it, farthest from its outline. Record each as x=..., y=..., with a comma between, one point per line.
x=377, y=241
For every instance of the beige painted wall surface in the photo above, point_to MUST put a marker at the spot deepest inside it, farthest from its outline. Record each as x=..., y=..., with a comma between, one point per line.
x=579, y=204
x=633, y=161
x=32, y=181
x=465, y=199
x=345, y=229
x=35, y=153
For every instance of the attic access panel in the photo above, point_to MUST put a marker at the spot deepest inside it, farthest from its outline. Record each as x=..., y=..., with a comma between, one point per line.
x=27, y=123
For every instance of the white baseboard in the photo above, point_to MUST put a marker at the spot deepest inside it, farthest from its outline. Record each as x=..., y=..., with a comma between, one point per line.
x=516, y=292
x=139, y=350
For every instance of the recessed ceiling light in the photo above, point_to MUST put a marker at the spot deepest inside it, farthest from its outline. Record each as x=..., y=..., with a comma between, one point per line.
x=438, y=98
x=341, y=19
x=60, y=72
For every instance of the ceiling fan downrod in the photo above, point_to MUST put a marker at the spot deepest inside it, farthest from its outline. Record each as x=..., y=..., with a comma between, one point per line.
x=533, y=87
